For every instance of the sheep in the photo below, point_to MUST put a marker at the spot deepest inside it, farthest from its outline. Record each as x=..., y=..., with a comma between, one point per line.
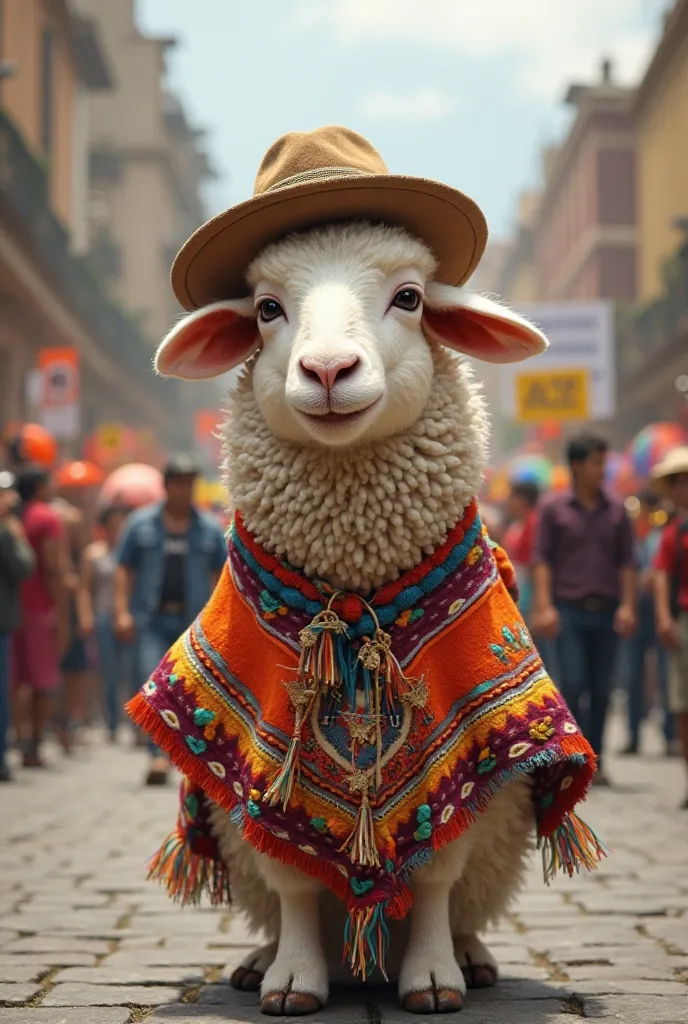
x=355, y=442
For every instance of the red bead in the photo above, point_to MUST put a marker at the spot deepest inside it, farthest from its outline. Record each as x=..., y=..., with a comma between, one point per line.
x=352, y=608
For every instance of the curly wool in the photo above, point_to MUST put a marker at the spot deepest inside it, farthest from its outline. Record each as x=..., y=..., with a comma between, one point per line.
x=360, y=517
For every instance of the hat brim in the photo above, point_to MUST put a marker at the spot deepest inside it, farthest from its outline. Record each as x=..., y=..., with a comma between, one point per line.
x=659, y=477
x=212, y=265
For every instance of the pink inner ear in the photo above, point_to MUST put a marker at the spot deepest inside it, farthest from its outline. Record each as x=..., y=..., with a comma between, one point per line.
x=465, y=330
x=220, y=337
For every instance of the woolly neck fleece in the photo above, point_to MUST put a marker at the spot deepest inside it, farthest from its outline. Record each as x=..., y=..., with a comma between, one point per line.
x=359, y=517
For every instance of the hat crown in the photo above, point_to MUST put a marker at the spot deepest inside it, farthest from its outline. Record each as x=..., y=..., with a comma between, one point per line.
x=332, y=151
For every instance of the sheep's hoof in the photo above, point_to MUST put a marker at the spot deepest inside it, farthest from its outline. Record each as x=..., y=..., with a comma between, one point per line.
x=289, y=1004
x=434, y=1000
x=246, y=980
x=479, y=975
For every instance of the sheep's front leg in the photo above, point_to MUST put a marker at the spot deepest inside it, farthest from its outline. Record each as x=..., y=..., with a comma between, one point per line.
x=431, y=980
x=296, y=981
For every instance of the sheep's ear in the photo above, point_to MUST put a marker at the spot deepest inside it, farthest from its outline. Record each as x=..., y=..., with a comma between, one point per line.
x=479, y=327
x=209, y=342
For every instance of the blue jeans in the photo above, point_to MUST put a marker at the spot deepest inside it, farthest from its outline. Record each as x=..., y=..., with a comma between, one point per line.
x=586, y=651
x=4, y=693
x=115, y=669
x=642, y=641
x=153, y=641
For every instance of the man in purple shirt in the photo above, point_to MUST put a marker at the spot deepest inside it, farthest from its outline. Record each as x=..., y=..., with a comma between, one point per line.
x=584, y=586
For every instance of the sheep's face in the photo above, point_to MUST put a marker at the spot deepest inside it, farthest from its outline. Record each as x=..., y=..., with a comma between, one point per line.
x=343, y=356
x=342, y=319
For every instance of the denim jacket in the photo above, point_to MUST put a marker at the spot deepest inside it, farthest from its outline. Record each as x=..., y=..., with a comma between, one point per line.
x=141, y=550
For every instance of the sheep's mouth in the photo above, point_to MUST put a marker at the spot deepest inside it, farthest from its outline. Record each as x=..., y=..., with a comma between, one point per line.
x=332, y=418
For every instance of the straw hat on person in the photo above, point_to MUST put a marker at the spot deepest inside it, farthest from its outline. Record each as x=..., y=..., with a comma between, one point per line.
x=673, y=463
x=310, y=178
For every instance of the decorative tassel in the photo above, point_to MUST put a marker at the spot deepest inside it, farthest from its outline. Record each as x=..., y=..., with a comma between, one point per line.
x=366, y=939
x=187, y=875
x=321, y=657
x=572, y=846
x=360, y=844
x=302, y=693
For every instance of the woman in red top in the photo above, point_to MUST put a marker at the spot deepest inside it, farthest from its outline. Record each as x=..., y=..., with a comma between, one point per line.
x=671, y=586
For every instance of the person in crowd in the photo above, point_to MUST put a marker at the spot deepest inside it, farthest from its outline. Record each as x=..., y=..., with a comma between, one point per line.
x=17, y=562
x=74, y=664
x=519, y=537
x=644, y=640
x=96, y=609
x=671, y=588
x=42, y=637
x=169, y=558
x=584, y=583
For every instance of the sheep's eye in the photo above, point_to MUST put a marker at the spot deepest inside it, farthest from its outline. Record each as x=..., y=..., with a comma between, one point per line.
x=270, y=309
x=407, y=298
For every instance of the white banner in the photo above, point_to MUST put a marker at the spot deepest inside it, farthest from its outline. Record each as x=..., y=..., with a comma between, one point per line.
x=581, y=337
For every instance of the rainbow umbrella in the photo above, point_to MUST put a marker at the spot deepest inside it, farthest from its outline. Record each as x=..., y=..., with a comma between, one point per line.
x=531, y=468
x=651, y=445
x=620, y=478
x=134, y=485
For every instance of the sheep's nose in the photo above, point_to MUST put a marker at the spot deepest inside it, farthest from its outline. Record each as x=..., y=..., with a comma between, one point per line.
x=328, y=371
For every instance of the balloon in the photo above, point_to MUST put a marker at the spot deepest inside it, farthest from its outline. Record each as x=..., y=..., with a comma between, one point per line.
x=79, y=474
x=533, y=468
x=561, y=478
x=620, y=478
x=652, y=443
x=133, y=485
x=32, y=443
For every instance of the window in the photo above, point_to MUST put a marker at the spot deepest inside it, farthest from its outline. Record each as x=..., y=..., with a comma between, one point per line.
x=47, y=89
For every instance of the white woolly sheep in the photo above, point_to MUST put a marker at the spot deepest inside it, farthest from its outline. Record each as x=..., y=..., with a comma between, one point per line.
x=356, y=443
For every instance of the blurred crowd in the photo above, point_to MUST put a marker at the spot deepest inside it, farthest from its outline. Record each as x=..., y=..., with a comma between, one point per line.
x=604, y=588
x=95, y=585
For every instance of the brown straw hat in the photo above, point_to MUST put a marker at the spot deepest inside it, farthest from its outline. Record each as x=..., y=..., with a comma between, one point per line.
x=310, y=178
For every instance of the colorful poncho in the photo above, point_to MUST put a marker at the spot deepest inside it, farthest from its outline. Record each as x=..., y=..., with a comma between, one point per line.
x=352, y=738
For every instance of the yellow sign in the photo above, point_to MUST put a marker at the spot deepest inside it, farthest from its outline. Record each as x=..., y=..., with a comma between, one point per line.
x=553, y=395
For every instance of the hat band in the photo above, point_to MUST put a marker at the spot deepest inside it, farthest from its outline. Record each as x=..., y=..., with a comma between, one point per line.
x=319, y=174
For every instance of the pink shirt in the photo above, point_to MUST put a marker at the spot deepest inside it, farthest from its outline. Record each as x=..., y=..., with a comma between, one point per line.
x=41, y=522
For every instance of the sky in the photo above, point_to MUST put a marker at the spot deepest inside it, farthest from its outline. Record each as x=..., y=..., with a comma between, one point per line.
x=463, y=91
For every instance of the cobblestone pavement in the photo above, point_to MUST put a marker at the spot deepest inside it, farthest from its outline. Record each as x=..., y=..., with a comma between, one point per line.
x=84, y=939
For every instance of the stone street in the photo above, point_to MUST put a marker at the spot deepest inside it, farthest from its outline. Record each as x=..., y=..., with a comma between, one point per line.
x=84, y=939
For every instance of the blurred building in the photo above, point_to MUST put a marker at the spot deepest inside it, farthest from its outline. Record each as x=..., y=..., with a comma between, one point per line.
x=653, y=338
x=52, y=63
x=661, y=118
x=516, y=278
x=147, y=169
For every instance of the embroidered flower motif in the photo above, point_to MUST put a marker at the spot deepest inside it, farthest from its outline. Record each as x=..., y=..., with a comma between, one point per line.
x=510, y=638
x=253, y=808
x=565, y=783
x=172, y=679
x=570, y=727
x=409, y=616
x=198, y=746
x=170, y=719
x=424, y=813
x=542, y=730
x=500, y=653
x=309, y=850
x=217, y=769
x=474, y=555
x=519, y=749
x=467, y=789
x=149, y=688
x=238, y=788
x=202, y=716
x=361, y=885
x=271, y=606
x=424, y=831
x=255, y=794
x=457, y=605
x=446, y=814
x=486, y=761
x=319, y=824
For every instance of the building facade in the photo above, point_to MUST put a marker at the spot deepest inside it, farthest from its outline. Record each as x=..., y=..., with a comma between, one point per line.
x=49, y=295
